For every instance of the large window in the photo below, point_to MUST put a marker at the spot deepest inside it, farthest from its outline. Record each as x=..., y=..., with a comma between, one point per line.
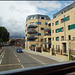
x=38, y=23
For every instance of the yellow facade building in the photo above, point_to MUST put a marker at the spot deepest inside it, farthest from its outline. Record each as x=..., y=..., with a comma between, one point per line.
x=63, y=30
x=34, y=33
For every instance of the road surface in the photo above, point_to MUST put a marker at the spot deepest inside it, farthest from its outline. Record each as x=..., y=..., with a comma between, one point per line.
x=13, y=60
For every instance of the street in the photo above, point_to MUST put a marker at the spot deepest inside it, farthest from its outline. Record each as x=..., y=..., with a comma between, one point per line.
x=13, y=60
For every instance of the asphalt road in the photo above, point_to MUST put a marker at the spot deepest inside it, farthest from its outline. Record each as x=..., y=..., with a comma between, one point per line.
x=13, y=60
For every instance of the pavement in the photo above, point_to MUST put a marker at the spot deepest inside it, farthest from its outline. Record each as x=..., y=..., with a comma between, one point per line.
x=58, y=58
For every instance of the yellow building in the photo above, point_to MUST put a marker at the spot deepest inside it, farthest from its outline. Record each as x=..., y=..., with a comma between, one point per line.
x=34, y=32
x=63, y=30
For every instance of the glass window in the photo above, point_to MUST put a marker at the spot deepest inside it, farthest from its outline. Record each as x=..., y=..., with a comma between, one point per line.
x=32, y=23
x=49, y=24
x=42, y=28
x=62, y=37
x=42, y=17
x=68, y=17
x=57, y=38
x=46, y=23
x=52, y=31
x=52, y=24
x=62, y=29
x=38, y=22
x=68, y=27
x=69, y=36
x=57, y=22
x=61, y=20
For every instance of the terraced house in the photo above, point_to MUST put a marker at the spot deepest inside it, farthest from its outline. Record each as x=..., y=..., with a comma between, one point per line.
x=34, y=33
x=63, y=30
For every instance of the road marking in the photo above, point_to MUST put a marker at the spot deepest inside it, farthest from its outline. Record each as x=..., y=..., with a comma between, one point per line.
x=18, y=60
x=0, y=61
x=36, y=59
x=22, y=66
x=2, y=55
x=10, y=64
x=15, y=54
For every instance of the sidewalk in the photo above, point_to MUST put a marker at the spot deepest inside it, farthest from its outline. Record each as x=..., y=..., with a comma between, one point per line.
x=58, y=58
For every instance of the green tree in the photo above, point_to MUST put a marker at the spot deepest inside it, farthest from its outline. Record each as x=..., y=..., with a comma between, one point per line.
x=4, y=34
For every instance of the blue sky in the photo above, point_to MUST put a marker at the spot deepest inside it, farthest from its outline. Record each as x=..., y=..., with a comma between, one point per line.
x=13, y=13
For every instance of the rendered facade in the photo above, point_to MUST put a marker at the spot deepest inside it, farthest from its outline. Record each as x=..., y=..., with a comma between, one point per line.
x=57, y=34
x=35, y=26
x=63, y=30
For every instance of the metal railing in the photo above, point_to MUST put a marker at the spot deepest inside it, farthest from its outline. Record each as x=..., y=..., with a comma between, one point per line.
x=54, y=69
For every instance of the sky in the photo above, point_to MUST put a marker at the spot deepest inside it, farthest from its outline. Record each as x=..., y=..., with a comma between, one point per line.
x=13, y=14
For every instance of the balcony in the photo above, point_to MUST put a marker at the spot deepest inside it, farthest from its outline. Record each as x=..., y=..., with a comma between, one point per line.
x=47, y=30
x=49, y=42
x=32, y=32
x=47, y=34
x=32, y=26
x=31, y=38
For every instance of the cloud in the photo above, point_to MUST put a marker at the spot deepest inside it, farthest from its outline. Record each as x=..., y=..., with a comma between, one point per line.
x=13, y=14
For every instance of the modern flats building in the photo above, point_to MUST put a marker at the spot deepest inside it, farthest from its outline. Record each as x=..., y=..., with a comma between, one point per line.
x=34, y=31
x=63, y=29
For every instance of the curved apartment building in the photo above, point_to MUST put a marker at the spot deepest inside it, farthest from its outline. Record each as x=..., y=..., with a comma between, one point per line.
x=34, y=31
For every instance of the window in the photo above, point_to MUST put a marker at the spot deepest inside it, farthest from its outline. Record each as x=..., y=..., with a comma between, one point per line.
x=41, y=39
x=62, y=29
x=57, y=22
x=46, y=23
x=42, y=17
x=68, y=17
x=57, y=30
x=61, y=20
x=52, y=31
x=71, y=27
x=45, y=18
x=26, y=24
x=38, y=34
x=62, y=37
x=68, y=27
x=38, y=22
x=35, y=17
x=26, y=34
x=69, y=36
x=57, y=38
x=52, y=24
x=42, y=28
x=49, y=24
x=32, y=23
x=53, y=38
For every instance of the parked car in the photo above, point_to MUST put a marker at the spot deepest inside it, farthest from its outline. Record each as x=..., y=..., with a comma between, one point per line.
x=19, y=50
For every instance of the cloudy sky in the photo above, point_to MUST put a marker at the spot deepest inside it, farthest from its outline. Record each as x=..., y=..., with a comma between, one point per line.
x=13, y=13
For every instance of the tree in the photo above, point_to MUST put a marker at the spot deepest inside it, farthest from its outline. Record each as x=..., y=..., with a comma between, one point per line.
x=4, y=34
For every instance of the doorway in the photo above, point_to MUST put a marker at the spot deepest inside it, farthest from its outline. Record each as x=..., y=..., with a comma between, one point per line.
x=64, y=47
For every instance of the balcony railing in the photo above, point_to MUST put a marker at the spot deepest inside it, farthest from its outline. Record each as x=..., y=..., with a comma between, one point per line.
x=47, y=34
x=49, y=42
x=32, y=26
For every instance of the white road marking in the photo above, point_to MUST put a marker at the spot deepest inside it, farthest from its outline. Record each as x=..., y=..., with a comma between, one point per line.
x=0, y=61
x=22, y=66
x=2, y=55
x=19, y=60
x=15, y=54
x=36, y=59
